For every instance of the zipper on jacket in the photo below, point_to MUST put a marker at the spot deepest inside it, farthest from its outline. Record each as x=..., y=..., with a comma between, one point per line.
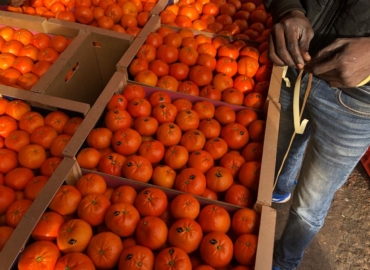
x=326, y=19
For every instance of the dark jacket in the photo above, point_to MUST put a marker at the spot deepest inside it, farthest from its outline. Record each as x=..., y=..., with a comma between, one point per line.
x=330, y=19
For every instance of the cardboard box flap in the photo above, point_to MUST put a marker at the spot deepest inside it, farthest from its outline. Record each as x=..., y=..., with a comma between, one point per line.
x=46, y=102
x=32, y=23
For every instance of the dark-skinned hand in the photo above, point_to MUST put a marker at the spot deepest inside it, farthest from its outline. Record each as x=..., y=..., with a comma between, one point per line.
x=290, y=39
x=344, y=63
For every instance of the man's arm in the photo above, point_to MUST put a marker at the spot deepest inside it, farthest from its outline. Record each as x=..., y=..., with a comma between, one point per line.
x=279, y=8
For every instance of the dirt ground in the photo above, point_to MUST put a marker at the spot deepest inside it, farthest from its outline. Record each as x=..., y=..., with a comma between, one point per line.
x=343, y=243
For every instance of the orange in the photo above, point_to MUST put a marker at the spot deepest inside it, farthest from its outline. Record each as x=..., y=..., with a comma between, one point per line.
x=201, y=160
x=151, y=202
x=219, y=179
x=164, y=176
x=249, y=175
x=105, y=249
x=172, y=257
x=216, y=249
x=245, y=249
x=34, y=186
x=6, y=199
x=5, y=233
x=92, y=208
x=136, y=255
x=185, y=206
x=122, y=219
x=191, y=180
x=124, y=194
x=32, y=156
x=151, y=232
x=66, y=200
x=137, y=168
x=214, y=218
x=88, y=158
x=245, y=221
x=74, y=236
x=239, y=195
x=91, y=183
x=186, y=234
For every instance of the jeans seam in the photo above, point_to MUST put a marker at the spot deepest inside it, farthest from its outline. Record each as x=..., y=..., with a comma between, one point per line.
x=339, y=99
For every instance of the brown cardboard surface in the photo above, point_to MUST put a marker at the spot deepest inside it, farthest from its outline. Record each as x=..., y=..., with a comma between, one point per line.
x=159, y=7
x=95, y=54
x=115, y=85
x=267, y=174
x=33, y=23
x=275, y=84
x=22, y=232
x=46, y=102
x=266, y=238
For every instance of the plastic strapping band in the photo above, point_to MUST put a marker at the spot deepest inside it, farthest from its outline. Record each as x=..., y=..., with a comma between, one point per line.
x=364, y=81
x=299, y=126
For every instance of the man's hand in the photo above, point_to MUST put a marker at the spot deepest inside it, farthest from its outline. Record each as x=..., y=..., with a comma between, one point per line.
x=344, y=63
x=290, y=40
x=16, y=3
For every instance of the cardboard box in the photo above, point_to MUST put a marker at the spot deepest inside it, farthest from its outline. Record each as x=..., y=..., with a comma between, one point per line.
x=22, y=232
x=69, y=172
x=154, y=23
x=271, y=114
x=92, y=56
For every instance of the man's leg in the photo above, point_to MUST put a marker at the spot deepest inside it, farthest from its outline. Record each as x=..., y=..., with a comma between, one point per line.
x=339, y=137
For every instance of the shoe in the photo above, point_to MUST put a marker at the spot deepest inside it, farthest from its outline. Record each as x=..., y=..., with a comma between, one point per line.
x=277, y=198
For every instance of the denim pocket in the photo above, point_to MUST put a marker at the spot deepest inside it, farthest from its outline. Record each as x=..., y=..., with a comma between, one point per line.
x=353, y=105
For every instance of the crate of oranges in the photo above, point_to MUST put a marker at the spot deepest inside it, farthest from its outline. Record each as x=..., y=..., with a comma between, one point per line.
x=56, y=58
x=129, y=222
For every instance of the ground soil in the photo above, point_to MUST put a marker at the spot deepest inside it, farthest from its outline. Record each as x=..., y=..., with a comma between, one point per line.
x=343, y=243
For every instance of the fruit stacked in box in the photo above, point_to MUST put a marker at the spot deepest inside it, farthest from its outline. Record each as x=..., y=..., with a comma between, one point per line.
x=241, y=19
x=162, y=138
x=31, y=145
x=26, y=56
x=93, y=225
x=120, y=16
x=212, y=67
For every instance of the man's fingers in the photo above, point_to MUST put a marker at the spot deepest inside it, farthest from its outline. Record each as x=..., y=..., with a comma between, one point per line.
x=281, y=46
x=294, y=48
x=304, y=44
x=272, y=55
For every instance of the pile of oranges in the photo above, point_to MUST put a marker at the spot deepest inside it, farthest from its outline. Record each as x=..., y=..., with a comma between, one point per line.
x=225, y=17
x=195, y=148
x=120, y=16
x=94, y=226
x=25, y=56
x=216, y=68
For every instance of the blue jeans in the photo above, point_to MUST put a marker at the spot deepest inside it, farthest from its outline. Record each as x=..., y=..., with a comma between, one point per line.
x=336, y=137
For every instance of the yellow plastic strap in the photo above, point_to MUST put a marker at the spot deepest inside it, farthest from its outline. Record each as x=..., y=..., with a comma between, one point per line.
x=299, y=127
x=287, y=82
x=364, y=82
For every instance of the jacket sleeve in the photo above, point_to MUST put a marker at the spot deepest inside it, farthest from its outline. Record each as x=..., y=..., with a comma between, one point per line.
x=278, y=8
